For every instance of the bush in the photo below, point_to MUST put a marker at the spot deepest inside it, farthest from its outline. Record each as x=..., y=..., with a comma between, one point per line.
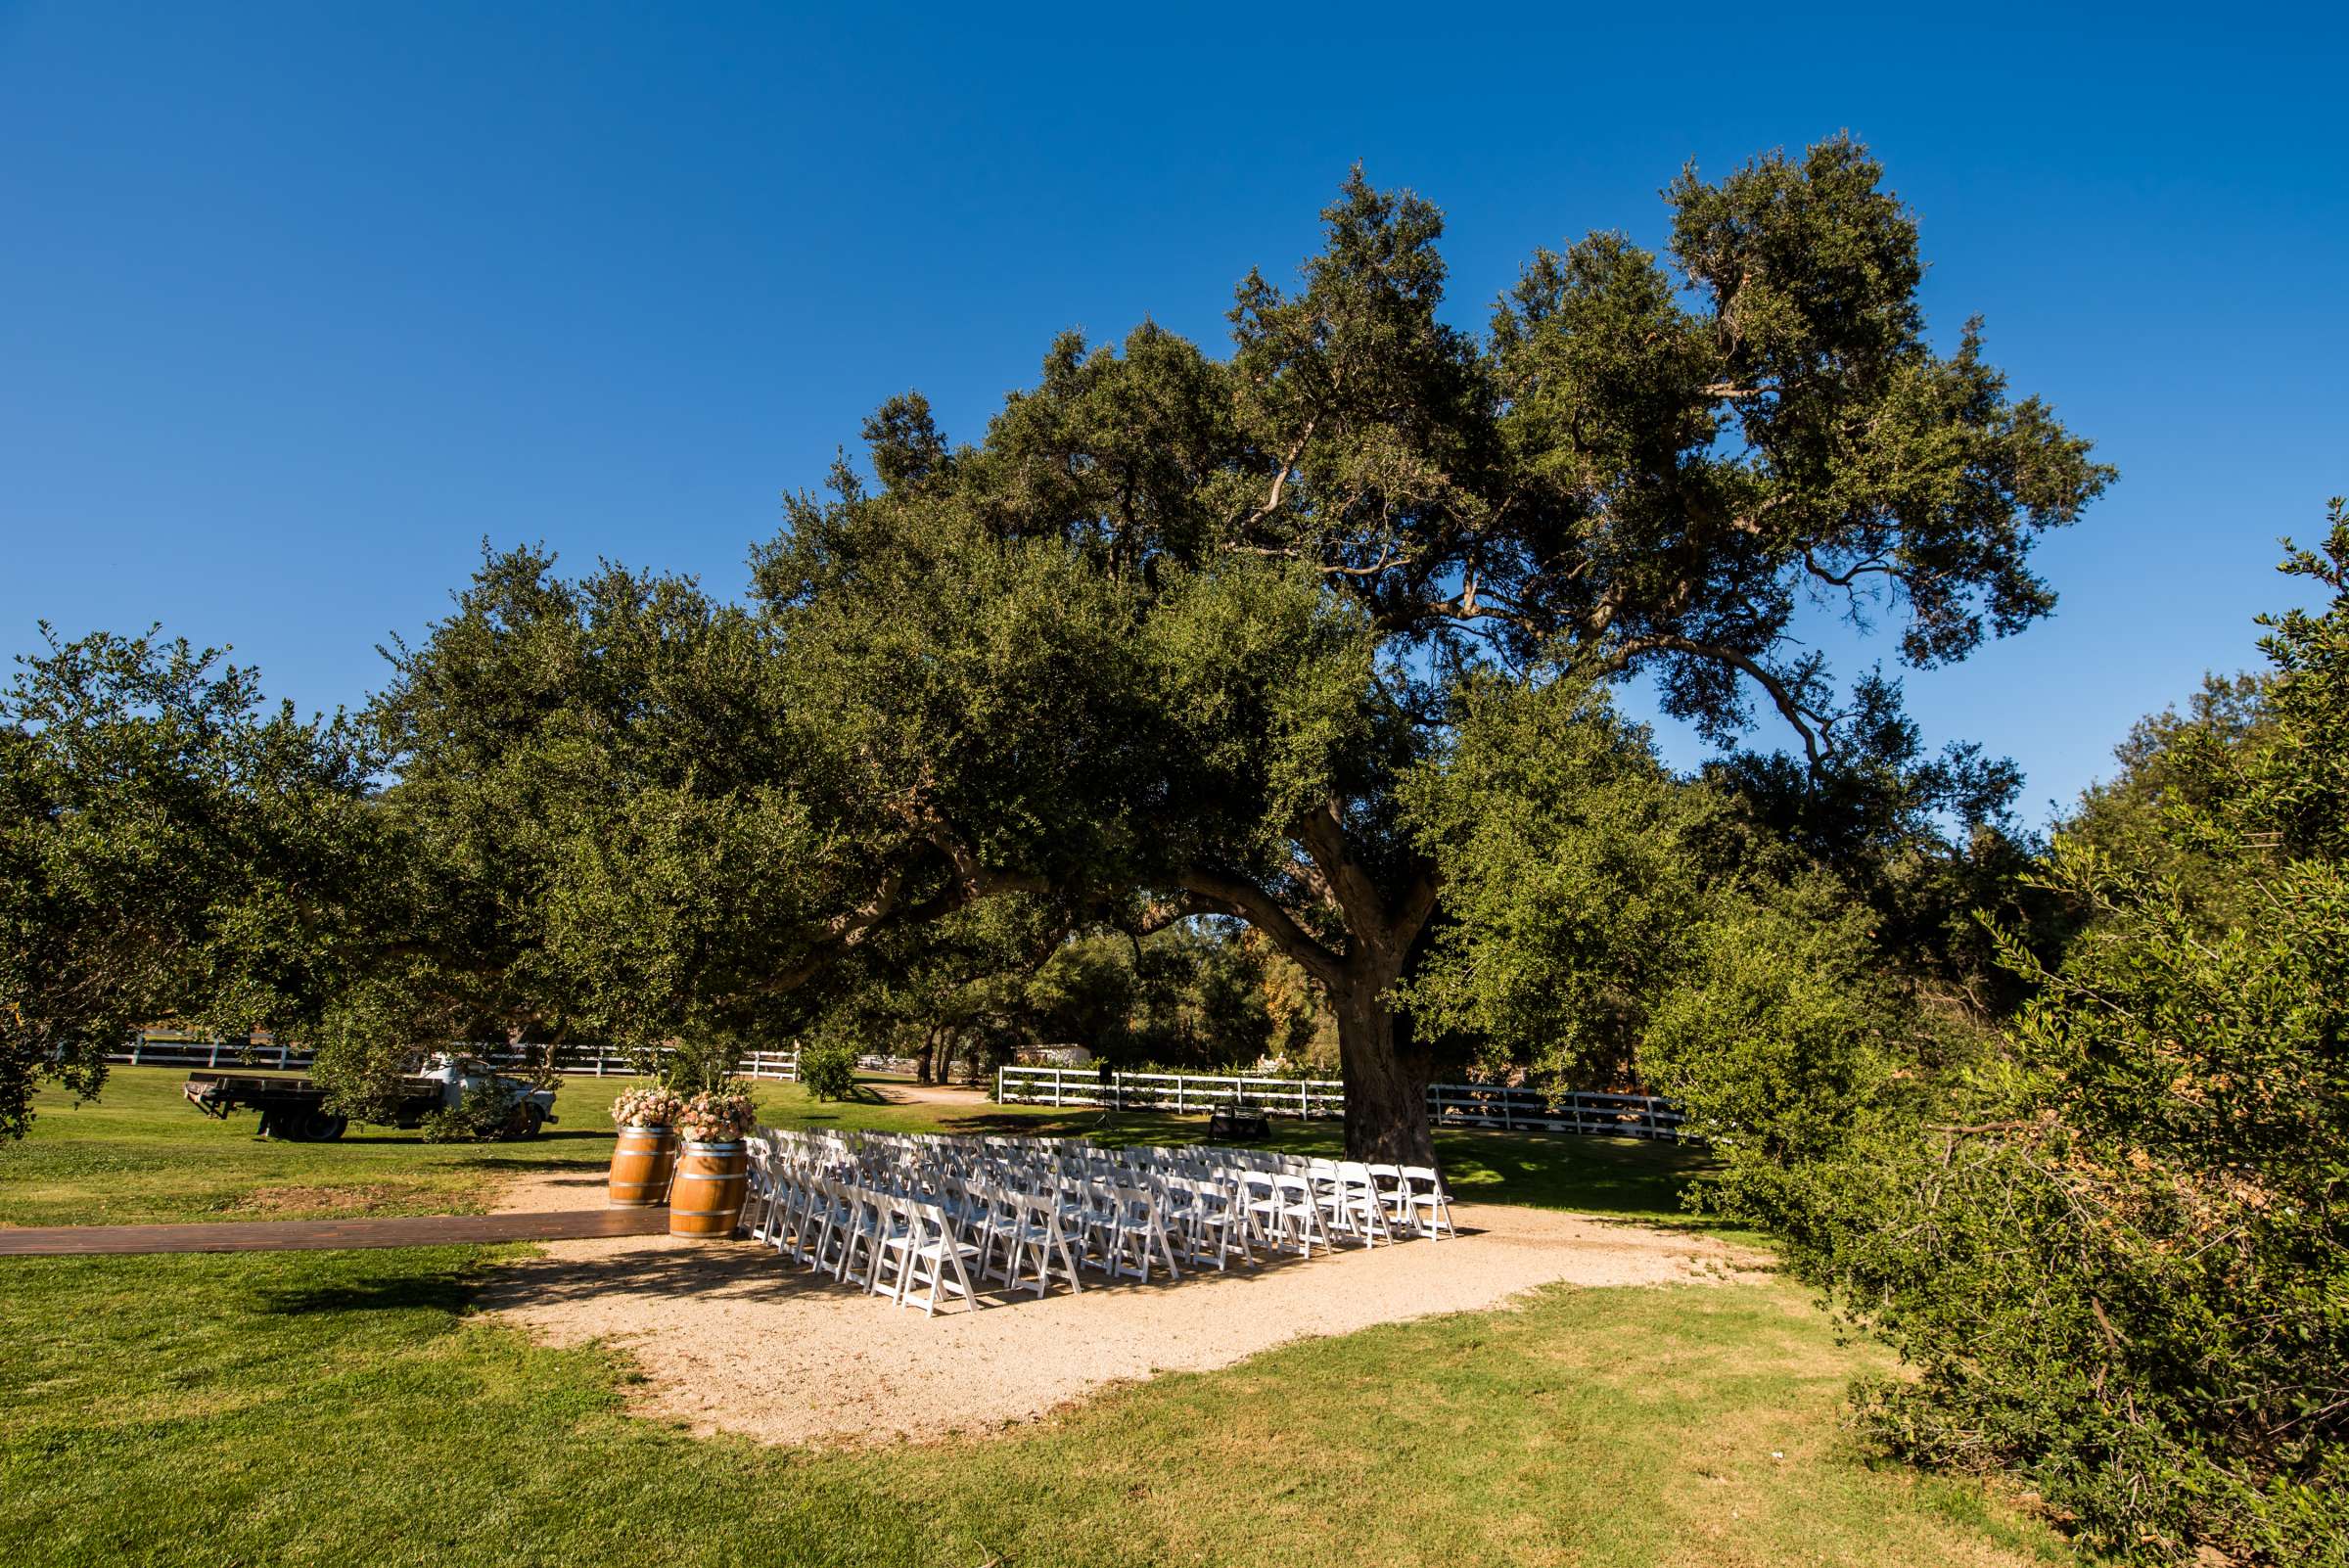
x=2118, y=1256
x=491, y=1107
x=828, y=1068
x=486, y=1111
x=1769, y=1038
x=446, y=1126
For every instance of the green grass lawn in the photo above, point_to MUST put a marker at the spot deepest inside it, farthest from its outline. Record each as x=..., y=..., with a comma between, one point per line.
x=142, y=1154
x=342, y=1408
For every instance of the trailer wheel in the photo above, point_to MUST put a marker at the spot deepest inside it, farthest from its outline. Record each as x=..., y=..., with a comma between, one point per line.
x=316, y=1125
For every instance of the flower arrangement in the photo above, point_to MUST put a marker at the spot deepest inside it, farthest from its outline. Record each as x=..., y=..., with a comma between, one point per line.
x=648, y=1107
x=718, y=1116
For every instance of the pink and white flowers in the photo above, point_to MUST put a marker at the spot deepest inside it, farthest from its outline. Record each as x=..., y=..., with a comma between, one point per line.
x=718, y=1117
x=648, y=1107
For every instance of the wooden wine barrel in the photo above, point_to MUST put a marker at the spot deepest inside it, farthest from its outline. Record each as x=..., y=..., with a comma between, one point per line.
x=641, y=1163
x=705, y=1201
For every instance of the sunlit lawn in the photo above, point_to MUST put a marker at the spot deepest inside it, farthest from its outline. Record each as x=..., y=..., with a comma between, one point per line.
x=141, y=1153
x=342, y=1408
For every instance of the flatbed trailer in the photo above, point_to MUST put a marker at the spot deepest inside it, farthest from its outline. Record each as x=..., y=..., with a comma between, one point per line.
x=293, y=1105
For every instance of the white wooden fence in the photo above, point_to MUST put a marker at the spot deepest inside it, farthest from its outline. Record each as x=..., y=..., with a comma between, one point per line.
x=163, y=1048
x=1638, y=1116
x=1184, y=1094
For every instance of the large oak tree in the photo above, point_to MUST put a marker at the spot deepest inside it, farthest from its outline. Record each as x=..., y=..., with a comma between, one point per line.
x=1169, y=638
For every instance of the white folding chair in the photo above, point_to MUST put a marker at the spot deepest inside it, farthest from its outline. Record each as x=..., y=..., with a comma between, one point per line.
x=1429, y=1204
x=1358, y=1201
x=934, y=1256
x=1041, y=1242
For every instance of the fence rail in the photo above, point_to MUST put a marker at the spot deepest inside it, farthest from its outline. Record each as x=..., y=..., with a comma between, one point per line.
x=1490, y=1105
x=158, y=1047
x=1638, y=1116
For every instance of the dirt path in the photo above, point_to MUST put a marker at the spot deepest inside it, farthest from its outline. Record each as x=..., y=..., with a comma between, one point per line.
x=732, y=1338
x=895, y=1092
x=330, y=1235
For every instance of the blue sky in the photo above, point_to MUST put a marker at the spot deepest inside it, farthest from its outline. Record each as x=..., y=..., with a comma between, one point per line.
x=300, y=303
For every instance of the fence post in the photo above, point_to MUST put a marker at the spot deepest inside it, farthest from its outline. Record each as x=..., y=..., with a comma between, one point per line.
x=281, y=1055
x=1056, y=1088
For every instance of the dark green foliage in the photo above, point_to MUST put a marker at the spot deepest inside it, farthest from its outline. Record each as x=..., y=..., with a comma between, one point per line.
x=1608, y=925
x=447, y=1124
x=1172, y=638
x=1577, y=873
x=1923, y=842
x=1014, y=973
x=2120, y=1255
x=1781, y=1027
x=607, y=826
x=170, y=848
x=828, y=1067
x=489, y=1108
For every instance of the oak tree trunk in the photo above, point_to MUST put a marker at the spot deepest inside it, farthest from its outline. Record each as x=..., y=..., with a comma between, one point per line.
x=1386, y=1083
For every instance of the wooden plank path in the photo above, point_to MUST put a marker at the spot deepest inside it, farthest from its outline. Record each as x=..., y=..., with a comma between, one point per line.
x=326, y=1235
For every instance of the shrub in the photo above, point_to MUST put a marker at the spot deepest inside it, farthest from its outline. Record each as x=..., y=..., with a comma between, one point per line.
x=446, y=1125
x=828, y=1068
x=2118, y=1256
x=493, y=1107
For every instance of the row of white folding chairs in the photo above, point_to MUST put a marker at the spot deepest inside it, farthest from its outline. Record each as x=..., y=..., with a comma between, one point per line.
x=1288, y=1202
x=938, y=1237
x=1298, y=1200
x=1121, y=1220
x=1360, y=1201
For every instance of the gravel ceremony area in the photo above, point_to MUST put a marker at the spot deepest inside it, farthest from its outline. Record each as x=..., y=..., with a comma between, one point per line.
x=731, y=1338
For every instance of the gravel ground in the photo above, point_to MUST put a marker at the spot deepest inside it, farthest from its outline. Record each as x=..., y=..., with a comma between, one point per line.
x=731, y=1338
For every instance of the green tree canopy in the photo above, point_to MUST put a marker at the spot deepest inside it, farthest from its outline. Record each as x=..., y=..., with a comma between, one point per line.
x=1177, y=631
x=170, y=848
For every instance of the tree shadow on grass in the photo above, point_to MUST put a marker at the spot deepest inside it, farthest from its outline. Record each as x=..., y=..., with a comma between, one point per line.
x=507, y=1161
x=446, y=1291
x=990, y=1124
x=384, y=1139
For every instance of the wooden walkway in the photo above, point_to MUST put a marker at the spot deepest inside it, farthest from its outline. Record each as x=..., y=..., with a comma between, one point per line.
x=326, y=1235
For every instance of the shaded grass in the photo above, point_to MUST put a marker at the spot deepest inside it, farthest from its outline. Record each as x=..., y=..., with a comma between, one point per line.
x=338, y=1408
